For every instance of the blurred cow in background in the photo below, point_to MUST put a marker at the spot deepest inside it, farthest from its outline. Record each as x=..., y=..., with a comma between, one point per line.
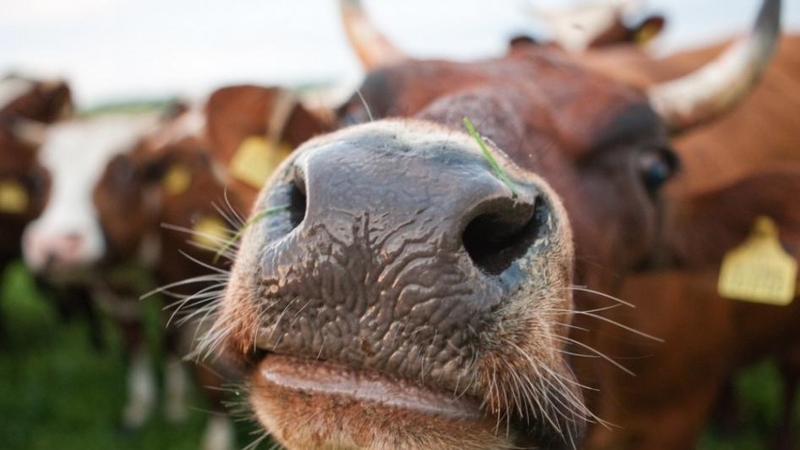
x=33, y=103
x=90, y=232
x=137, y=200
x=593, y=25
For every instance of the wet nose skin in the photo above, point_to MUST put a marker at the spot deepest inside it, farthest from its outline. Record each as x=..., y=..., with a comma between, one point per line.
x=392, y=250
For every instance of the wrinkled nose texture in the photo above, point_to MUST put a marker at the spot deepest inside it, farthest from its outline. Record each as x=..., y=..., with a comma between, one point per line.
x=390, y=251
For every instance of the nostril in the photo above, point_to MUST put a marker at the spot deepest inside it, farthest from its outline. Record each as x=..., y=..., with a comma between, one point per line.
x=73, y=241
x=297, y=198
x=494, y=240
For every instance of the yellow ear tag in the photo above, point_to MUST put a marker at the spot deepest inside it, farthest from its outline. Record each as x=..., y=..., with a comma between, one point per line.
x=646, y=33
x=177, y=180
x=13, y=198
x=759, y=270
x=256, y=159
x=211, y=232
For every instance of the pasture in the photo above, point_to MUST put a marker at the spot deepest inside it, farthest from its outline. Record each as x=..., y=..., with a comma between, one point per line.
x=57, y=392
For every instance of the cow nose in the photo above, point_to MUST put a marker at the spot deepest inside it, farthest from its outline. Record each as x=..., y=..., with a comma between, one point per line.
x=49, y=251
x=383, y=243
x=440, y=193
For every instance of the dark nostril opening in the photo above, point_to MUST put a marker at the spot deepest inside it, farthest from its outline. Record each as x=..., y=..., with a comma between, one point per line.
x=297, y=198
x=494, y=240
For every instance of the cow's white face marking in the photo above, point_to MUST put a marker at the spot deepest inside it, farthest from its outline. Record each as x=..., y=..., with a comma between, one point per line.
x=76, y=154
x=12, y=89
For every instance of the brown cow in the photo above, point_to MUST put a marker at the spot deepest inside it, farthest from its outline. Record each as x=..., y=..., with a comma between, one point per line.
x=735, y=146
x=751, y=138
x=100, y=230
x=403, y=288
x=202, y=166
x=706, y=336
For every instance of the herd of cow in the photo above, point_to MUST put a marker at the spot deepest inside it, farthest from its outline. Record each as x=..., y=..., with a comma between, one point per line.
x=405, y=282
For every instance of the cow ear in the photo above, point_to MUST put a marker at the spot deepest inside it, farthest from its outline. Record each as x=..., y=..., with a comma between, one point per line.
x=236, y=113
x=59, y=98
x=648, y=29
x=303, y=124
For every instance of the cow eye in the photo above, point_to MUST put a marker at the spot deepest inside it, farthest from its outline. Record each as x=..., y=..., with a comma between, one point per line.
x=656, y=167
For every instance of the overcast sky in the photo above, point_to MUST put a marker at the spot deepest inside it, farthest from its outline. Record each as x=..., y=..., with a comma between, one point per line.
x=125, y=49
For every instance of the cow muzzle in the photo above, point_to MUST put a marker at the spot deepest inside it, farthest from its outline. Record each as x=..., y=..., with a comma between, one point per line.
x=397, y=290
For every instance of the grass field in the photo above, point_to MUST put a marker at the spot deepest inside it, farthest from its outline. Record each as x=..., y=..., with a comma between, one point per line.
x=57, y=393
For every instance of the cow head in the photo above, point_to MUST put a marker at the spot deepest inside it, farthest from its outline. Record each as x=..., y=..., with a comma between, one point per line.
x=406, y=284
x=95, y=209
x=580, y=28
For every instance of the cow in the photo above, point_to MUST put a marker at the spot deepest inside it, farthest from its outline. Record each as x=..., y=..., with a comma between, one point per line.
x=22, y=183
x=126, y=195
x=752, y=138
x=113, y=179
x=403, y=283
x=89, y=233
x=738, y=145
x=706, y=336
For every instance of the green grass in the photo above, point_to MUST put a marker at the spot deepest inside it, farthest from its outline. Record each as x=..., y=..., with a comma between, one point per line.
x=56, y=392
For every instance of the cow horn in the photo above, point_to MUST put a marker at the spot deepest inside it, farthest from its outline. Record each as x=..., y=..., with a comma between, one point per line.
x=719, y=85
x=372, y=47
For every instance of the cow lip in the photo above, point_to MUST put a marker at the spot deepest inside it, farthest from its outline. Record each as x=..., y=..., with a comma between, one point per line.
x=314, y=377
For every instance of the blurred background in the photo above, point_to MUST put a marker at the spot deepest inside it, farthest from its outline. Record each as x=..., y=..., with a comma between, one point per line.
x=55, y=390
x=112, y=50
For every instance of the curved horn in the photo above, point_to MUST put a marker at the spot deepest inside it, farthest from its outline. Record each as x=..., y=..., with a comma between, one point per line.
x=372, y=47
x=719, y=85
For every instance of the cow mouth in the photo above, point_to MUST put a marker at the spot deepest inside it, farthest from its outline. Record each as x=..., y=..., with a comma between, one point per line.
x=308, y=403
x=327, y=379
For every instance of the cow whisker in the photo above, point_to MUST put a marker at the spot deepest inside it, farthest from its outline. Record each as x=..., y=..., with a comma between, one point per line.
x=597, y=352
x=200, y=279
x=592, y=291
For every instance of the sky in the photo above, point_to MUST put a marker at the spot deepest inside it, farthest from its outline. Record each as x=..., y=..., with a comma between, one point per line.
x=114, y=50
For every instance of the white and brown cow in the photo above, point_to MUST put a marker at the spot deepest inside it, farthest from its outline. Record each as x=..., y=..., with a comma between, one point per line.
x=23, y=183
x=90, y=231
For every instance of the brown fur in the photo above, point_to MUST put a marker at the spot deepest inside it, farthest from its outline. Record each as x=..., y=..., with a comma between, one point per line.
x=237, y=112
x=705, y=336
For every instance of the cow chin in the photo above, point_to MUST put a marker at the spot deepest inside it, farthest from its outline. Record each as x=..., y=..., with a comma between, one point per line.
x=418, y=309
x=310, y=404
